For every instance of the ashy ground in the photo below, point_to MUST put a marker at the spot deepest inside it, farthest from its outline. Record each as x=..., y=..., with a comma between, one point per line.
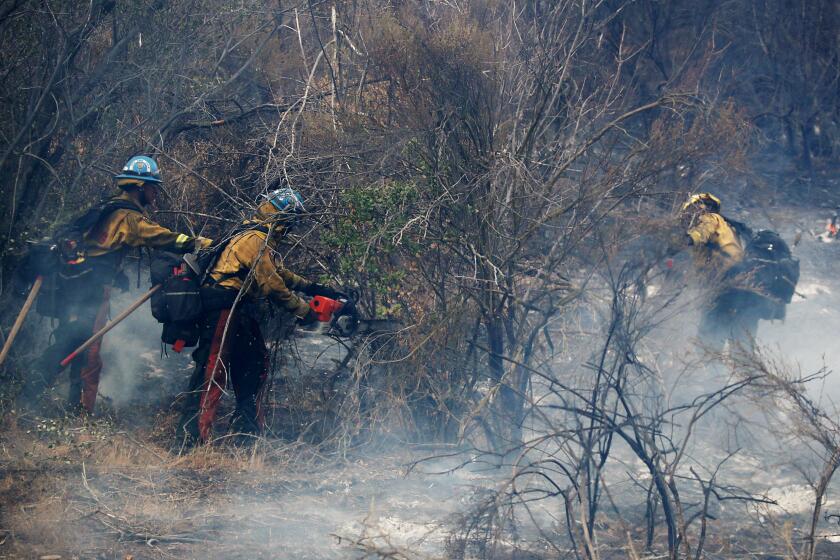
x=116, y=486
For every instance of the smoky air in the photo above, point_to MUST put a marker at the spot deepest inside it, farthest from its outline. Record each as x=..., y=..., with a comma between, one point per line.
x=419, y=280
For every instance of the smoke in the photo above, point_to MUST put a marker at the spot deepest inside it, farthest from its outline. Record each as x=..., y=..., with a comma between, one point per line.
x=366, y=504
x=808, y=335
x=277, y=498
x=137, y=369
x=752, y=441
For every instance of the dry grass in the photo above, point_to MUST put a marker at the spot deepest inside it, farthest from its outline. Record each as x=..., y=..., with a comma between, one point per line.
x=86, y=490
x=74, y=488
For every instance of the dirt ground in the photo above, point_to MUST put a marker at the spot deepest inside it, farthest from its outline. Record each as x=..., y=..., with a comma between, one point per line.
x=118, y=485
x=73, y=488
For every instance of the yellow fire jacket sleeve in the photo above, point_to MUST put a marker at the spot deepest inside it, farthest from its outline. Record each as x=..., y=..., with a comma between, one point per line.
x=292, y=280
x=251, y=251
x=715, y=240
x=129, y=228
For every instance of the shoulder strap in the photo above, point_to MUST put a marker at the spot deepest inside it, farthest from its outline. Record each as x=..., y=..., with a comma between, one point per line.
x=742, y=230
x=94, y=215
x=217, y=252
x=113, y=204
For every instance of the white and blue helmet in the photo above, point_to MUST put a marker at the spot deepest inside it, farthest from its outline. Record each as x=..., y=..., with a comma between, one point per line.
x=286, y=200
x=141, y=168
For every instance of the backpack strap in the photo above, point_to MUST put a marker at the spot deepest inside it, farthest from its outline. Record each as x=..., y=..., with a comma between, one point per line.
x=93, y=216
x=242, y=273
x=111, y=205
x=742, y=231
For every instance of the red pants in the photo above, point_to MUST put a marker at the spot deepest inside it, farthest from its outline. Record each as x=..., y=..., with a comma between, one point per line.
x=91, y=362
x=231, y=346
x=72, y=331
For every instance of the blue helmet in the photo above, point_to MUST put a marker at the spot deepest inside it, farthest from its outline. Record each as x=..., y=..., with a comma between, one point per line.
x=141, y=168
x=286, y=200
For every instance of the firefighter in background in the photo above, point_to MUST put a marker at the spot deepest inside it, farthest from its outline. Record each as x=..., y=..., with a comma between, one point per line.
x=83, y=302
x=716, y=244
x=231, y=344
x=734, y=309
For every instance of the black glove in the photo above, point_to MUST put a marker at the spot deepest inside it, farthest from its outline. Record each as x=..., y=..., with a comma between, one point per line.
x=326, y=291
x=308, y=319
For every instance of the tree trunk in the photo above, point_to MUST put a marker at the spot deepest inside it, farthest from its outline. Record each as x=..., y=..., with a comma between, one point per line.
x=508, y=405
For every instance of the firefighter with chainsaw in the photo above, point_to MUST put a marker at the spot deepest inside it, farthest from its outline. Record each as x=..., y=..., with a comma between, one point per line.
x=87, y=257
x=752, y=276
x=230, y=343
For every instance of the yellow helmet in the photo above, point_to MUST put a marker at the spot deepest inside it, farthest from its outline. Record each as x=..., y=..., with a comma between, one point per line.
x=706, y=199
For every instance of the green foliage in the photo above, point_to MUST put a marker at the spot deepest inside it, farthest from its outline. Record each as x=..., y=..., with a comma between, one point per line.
x=365, y=235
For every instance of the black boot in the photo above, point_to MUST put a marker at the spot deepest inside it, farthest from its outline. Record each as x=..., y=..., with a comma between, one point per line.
x=74, y=397
x=244, y=425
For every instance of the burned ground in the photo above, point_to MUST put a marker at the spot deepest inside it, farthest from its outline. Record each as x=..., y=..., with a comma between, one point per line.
x=501, y=181
x=118, y=486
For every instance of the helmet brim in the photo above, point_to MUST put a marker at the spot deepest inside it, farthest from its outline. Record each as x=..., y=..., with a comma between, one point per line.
x=146, y=179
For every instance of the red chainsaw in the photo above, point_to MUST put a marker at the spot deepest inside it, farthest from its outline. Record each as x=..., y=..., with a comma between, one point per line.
x=338, y=315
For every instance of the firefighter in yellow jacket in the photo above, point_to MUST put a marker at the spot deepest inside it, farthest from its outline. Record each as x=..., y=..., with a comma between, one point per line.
x=231, y=344
x=733, y=310
x=84, y=285
x=717, y=246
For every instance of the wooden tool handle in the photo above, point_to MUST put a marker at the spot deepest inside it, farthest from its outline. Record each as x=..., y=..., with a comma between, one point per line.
x=117, y=320
x=30, y=299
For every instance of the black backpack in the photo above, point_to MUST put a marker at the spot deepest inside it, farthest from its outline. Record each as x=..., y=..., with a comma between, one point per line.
x=178, y=303
x=769, y=269
x=70, y=275
x=775, y=269
x=742, y=230
x=70, y=238
x=184, y=298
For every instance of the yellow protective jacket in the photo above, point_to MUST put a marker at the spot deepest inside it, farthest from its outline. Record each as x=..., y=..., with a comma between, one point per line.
x=126, y=228
x=254, y=251
x=717, y=247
